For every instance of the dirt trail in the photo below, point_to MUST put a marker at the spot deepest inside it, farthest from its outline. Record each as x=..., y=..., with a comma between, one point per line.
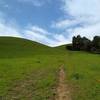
x=62, y=91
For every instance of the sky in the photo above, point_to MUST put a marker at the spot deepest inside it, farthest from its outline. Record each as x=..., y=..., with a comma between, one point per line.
x=50, y=22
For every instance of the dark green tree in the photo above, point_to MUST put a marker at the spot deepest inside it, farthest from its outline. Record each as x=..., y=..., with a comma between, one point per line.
x=83, y=43
x=96, y=42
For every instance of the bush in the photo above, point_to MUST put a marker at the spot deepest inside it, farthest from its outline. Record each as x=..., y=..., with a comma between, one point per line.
x=77, y=76
x=69, y=47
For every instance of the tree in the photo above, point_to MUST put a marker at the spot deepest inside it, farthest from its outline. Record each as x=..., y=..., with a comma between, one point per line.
x=83, y=43
x=96, y=42
x=76, y=42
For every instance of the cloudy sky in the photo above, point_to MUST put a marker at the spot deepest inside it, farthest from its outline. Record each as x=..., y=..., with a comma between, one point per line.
x=51, y=22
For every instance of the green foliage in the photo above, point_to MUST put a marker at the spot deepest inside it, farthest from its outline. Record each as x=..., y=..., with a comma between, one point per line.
x=77, y=76
x=96, y=42
x=82, y=43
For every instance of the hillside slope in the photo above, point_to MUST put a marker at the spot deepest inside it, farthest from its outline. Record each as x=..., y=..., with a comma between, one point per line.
x=17, y=47
x=28, y=71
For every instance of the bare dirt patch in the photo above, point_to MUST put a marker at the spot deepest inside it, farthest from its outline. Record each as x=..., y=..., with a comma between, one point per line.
x=62, y=90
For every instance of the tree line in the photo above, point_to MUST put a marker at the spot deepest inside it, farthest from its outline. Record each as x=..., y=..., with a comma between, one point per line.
x=82, y=43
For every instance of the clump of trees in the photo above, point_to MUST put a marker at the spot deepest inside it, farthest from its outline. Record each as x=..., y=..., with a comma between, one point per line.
x=83, y=43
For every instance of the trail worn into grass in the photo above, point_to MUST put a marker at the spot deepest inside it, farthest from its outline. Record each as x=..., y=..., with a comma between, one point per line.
x=62, y=91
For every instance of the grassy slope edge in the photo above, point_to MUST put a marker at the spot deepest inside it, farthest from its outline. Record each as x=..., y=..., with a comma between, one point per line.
x=28, y=70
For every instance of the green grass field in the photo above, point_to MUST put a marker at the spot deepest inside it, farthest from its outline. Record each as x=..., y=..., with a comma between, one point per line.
x=28, y=71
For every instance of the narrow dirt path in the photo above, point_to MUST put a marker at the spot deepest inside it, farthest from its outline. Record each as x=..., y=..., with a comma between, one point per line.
x=62, y=91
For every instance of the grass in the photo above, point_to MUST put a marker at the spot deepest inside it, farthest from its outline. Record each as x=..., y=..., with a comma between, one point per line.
x=28, y=70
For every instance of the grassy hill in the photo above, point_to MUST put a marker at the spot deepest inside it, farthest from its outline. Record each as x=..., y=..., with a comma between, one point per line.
x=28, y=71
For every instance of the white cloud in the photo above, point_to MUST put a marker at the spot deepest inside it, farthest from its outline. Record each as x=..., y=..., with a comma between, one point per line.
x=37, y=34
x=37, y=29
x=31, y=32
x=88, y=31
x=8, y=29
x=41, y=35
x=83, y=8
x=84, y=18
x=63, y=24
x=62, y=39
